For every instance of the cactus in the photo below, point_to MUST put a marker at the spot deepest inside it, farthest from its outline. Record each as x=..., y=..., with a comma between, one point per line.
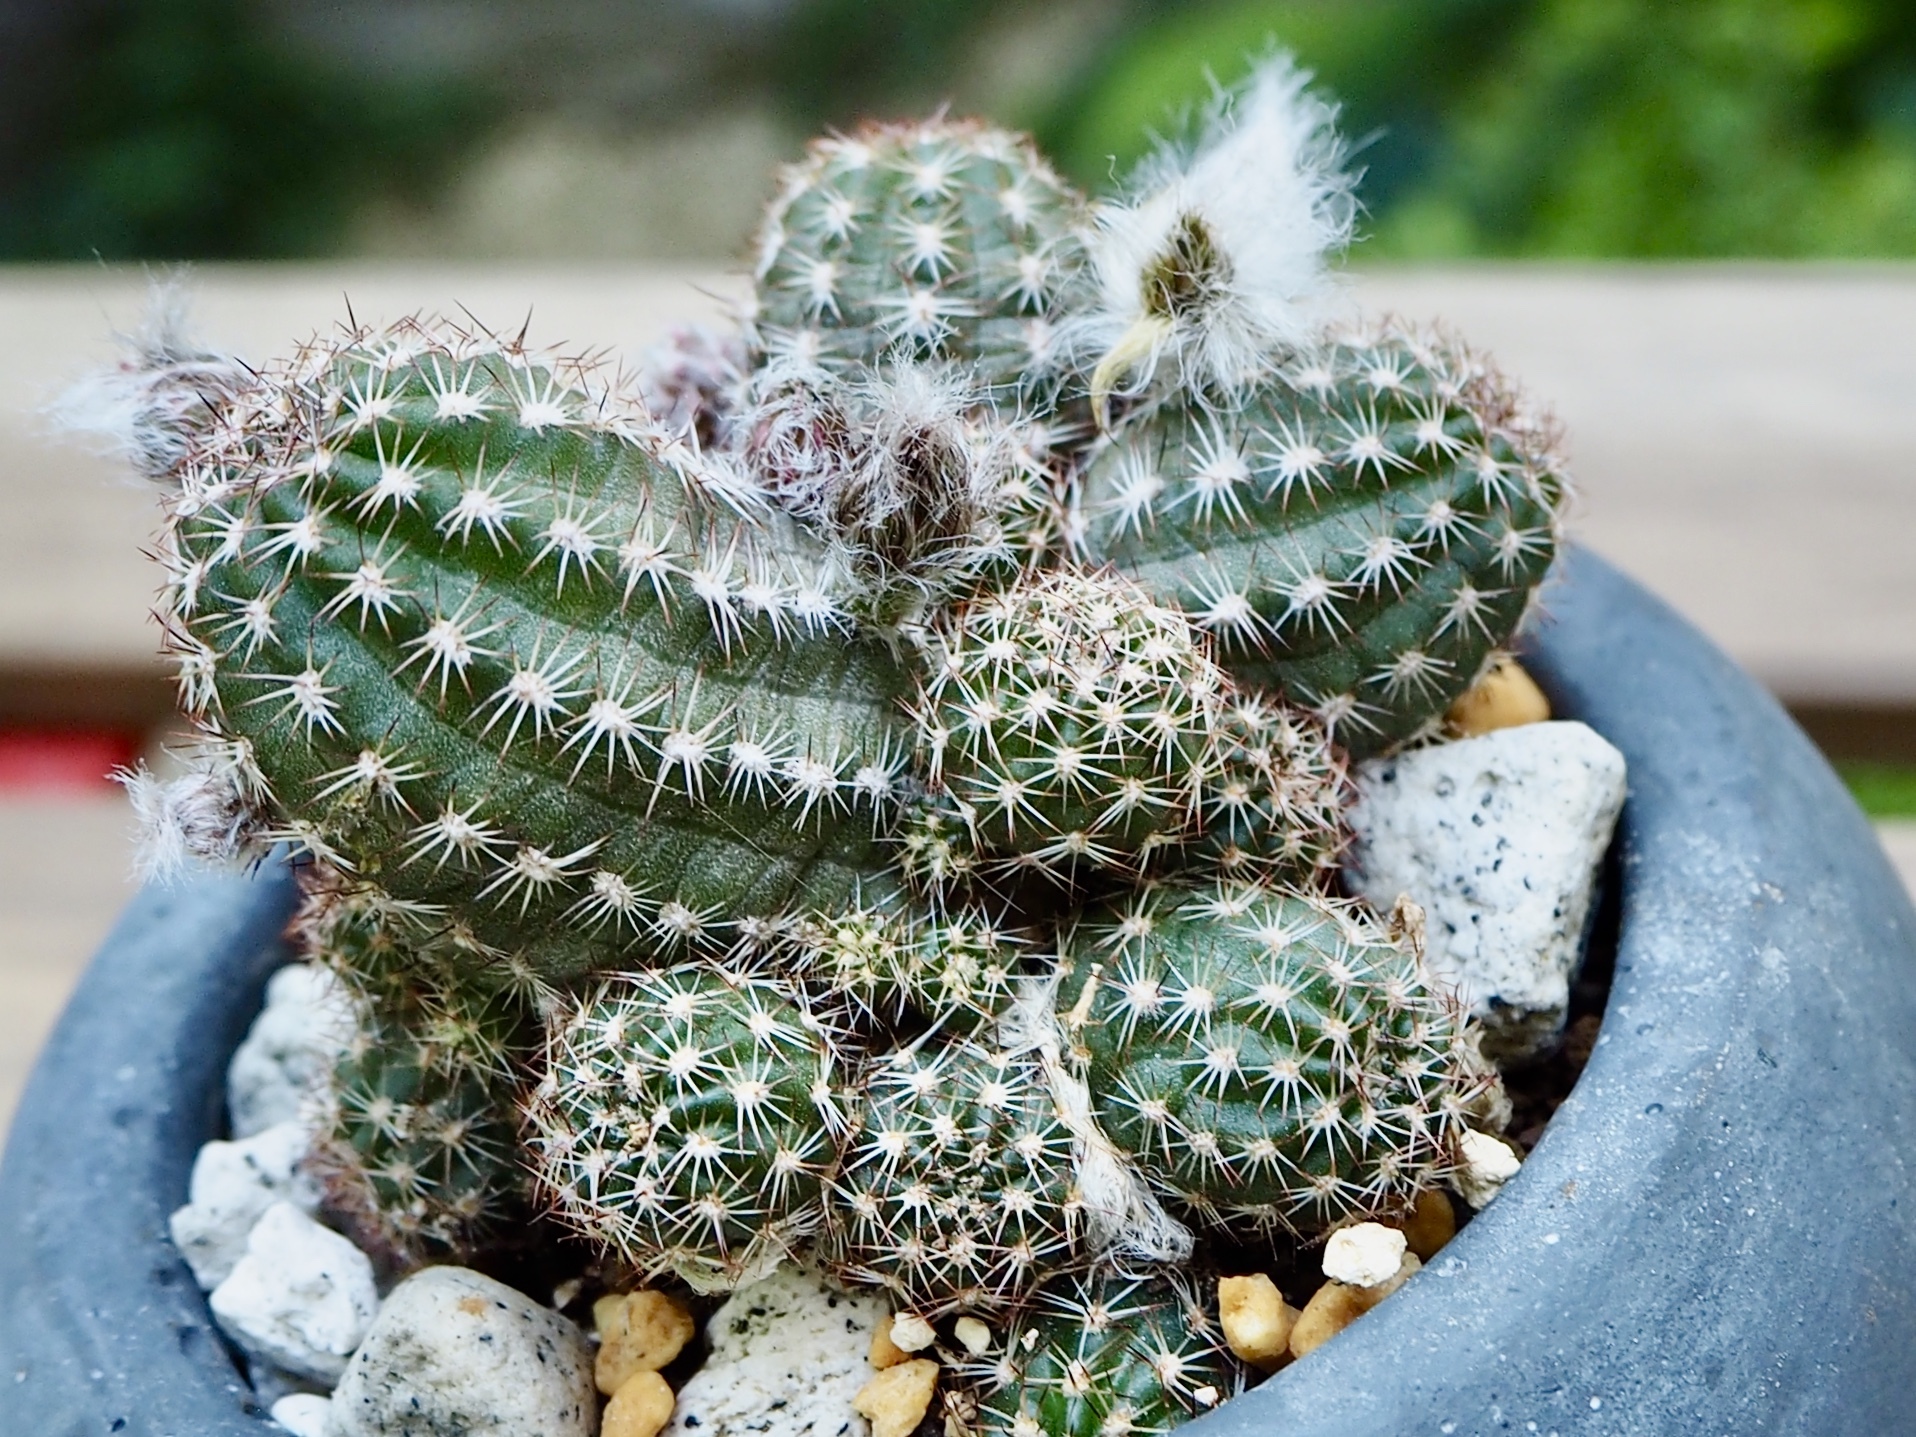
x=907, y=818
x=686, y=1119
x=1272, y=803
x=1361, y=533
x=1068, y=718
x=417, y=1146
x=1105, y=1353
x=942, y=240
x=484, y=637
x=957, y=1189
x=1270, y=1060
x=890, y=968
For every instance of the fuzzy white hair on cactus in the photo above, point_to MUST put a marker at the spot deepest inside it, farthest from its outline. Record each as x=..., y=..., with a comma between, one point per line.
x=902, y=468
x=204, y=815
x=1216, y=259
x=150, y=409
x=690, y=381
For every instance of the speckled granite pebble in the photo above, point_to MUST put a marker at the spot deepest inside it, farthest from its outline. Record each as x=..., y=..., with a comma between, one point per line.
x=788, y=1357
x=1500, y=839
x=455, y=1353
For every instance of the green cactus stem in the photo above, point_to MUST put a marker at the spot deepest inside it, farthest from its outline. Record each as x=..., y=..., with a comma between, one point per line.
x=891, y=968
x=1361, y=533
x=940, y=240
x=956, y=1190
x=1268, y=1059
x=480, y=634
x=686, y=1119
x=1273, y=800
x=1068, y=719
x=417, y=1145
x=1105, y=1353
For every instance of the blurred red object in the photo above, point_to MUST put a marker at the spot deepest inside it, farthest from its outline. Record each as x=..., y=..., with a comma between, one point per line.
x=63, y=760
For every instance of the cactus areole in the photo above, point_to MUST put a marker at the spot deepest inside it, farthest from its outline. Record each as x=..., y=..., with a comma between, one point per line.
x=868, y=791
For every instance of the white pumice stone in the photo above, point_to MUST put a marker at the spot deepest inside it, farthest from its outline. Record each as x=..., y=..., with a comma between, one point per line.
x=300, y=1298
x=456, y=1353
x=291, y=1047
x=1499, y=839
x=911, y=1333
x=789, y=1353
x=1367, y=1254
x=973, y=1335
x=1488, y=1163
x=233, y=1184
x=302, y=1414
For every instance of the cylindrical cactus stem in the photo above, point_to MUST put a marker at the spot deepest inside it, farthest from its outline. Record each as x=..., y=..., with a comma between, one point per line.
x=417, y=1144
x=685, y=1120
x=956, y=1191
x=487, y=638
x=1269, y=1059
x=1361, y=531
x=1069, y=717
x=1100, y=1353
x=940, y=240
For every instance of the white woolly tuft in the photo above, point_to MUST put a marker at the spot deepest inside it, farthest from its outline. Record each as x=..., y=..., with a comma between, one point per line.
x=162, y=398
x=204, y=815
x=1124, y=1218
x=904, y=468
x=1265, y=184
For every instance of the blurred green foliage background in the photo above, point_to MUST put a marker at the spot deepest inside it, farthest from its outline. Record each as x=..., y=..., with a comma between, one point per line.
x=1882, y=790
x=184, y=129
x=1576, y=127
x=237, y=128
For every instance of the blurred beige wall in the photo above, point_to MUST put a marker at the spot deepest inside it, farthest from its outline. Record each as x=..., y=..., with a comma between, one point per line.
x=1743, y=435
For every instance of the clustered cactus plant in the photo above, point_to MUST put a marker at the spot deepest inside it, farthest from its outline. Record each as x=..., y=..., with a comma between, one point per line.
x=880, y=800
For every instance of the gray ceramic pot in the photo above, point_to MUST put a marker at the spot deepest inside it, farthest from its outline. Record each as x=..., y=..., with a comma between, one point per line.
x=1717, y=1235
